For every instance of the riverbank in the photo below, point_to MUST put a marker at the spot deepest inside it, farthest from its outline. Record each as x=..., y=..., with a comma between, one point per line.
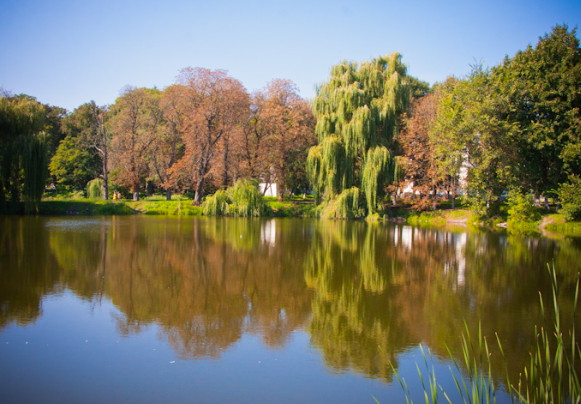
x=550, y=224
x=89, y=207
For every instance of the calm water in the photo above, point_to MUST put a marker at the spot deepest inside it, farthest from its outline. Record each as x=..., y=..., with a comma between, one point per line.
x=143, y=309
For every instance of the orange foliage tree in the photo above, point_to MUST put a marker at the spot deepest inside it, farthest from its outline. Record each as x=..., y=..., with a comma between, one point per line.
x=279, y=133
x=418, y=154
x=135, y=121
x=212, y=105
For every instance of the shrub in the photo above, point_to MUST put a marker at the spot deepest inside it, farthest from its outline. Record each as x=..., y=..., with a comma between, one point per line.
x=243, y=199
x=246, y=199
x=521, y=209
x=95, y=189
x=215, y=205
x=345, y=206
x=570, y=196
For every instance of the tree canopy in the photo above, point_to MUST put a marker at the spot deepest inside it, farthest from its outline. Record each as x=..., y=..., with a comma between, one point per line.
x=357, y=114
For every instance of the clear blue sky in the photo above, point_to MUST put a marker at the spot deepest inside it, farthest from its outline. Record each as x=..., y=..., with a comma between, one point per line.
x=68, y=52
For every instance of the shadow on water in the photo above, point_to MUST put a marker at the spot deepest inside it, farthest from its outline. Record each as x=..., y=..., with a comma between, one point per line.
x=365, y=293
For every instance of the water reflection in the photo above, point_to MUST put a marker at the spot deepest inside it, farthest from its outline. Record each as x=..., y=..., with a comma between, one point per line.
x=364, y=292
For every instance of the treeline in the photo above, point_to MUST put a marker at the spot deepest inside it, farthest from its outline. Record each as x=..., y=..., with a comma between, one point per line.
x=198, y=135
x=513, y=129
x=371, y=133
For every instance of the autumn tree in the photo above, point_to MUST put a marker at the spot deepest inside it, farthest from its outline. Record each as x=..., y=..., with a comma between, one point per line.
x=214, y=105
x=168, y=146
x=134, y=123
x=280, y=131
x=419, y=161
x=357, y=114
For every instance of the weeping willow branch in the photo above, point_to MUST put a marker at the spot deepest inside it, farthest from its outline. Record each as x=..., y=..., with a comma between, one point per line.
x=356, y=113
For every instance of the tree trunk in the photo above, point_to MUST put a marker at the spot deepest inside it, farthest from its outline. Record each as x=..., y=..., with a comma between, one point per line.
x=168, y=194
x=135, y=192
x=199, y=192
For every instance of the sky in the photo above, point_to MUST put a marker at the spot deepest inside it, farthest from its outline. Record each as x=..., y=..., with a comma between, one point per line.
x=68, y=52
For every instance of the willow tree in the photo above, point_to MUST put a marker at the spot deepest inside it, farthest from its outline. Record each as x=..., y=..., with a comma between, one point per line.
x=23, y=151
x=357, y=113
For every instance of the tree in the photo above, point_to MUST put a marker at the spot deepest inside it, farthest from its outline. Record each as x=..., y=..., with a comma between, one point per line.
x=214, y=105
x=23, y=151
x=541, y=85
x=357, y=114
x=419, y=161
x=282, y=129
x=168, y=146
x=73, y=165
x=135, y=120
x=470, y=132
x=77, y=159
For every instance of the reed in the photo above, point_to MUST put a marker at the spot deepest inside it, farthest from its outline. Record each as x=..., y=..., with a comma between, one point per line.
x=551, y=375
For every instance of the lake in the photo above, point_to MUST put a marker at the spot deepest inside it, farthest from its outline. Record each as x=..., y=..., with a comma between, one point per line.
x=213, y=310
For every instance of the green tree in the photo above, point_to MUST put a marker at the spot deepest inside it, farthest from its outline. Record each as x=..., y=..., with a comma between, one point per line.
x=82, y=155
x=73, y=165
x=23, y=151
x=470, y=133
x=357, y=114
x=541, y=86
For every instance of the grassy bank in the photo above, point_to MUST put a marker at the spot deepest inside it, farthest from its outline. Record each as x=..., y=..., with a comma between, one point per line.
x=181, y=206
x=158, y=206
x=557, y=224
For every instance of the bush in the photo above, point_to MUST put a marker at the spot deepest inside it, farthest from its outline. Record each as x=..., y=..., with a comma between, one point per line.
x=521, y=209
x=216, y=205
x=246, y=199
x=345, y=206
x=243, y=199
x=570, y=196
x=95, y=189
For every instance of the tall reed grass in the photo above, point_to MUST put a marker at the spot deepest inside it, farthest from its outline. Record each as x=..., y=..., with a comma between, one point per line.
x=551, y=375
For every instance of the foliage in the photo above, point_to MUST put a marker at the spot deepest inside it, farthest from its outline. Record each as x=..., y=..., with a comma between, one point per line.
x=243, y=199
x=521, y=210
x=95, y=189
x=570, y=196
x=515, y=125
x=23, y=151
x=134, y=122
x=72, y=164
x=346, y=205
x=246, y=199
x=470, y=134
x=357, y=113
x=212, y=107
x=279, y=132
x=419, y=160
x=82, y=154
x=216, y=205
x=541, y=88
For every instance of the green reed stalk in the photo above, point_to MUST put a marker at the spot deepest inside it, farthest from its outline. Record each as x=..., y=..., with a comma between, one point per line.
x=550, y=377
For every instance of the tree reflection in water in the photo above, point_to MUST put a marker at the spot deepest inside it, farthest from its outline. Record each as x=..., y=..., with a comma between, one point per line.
x=364, y=292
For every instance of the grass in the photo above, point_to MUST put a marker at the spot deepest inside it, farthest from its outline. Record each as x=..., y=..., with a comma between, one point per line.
x=551, y=375
x=556, y=223
x=84, y=207
x=157, y=205
x=168, y=208
x=290, y=209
